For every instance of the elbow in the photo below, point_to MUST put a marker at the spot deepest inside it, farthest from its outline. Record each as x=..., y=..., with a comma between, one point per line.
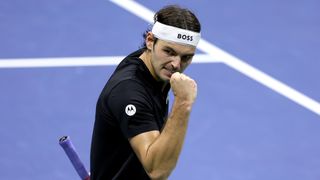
x=160, y=173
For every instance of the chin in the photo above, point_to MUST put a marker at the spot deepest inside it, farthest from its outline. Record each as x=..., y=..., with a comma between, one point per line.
x=165, y=78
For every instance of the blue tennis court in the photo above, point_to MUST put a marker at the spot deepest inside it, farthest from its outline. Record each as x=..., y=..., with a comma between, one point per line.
x=257, y=115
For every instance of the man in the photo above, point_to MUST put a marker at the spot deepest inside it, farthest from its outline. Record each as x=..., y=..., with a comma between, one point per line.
x=133, y=137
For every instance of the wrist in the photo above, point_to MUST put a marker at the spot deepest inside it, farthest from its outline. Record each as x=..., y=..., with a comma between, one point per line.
x=183, y=103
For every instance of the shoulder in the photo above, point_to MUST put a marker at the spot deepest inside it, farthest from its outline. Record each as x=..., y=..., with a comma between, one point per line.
x=129, y=89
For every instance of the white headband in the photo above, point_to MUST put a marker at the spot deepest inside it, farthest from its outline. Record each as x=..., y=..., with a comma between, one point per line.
x=174, y=34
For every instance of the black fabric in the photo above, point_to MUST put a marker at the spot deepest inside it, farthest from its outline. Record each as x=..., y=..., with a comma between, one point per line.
x=131, y=84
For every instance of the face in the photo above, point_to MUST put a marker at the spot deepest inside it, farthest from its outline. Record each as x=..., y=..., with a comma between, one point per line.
x=168, y=58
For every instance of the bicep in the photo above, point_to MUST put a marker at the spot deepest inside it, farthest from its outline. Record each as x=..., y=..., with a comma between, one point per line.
x=141, y=144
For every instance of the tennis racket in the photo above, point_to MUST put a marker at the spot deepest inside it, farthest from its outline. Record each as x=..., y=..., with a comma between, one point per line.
x=69, y=149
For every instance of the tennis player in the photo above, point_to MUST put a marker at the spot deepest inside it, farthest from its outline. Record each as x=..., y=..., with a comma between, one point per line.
x=134, y=136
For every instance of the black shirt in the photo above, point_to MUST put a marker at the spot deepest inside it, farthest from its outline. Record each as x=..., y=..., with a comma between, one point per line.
x=132, y=102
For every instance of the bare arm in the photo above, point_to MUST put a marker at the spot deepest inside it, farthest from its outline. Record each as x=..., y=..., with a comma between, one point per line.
x=159, y=152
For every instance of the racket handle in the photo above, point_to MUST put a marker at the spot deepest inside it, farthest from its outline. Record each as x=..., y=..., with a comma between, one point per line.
x=69, y=149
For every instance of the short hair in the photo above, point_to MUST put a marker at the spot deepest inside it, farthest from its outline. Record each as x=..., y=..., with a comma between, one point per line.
x=174, y=15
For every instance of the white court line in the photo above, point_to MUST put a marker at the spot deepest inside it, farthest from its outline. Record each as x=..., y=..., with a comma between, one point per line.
x=59, y=62
x=232, y=61
x=79, y=61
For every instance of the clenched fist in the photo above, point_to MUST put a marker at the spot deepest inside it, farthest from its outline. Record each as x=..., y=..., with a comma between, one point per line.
x=183, y=87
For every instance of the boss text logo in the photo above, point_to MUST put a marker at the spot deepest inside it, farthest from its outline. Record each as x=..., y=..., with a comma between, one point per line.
x=185, y=37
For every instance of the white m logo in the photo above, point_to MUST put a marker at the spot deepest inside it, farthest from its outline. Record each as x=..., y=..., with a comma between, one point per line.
x=130, y=110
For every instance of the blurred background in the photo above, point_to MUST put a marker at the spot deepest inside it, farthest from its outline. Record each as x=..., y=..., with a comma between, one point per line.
x=239, y=128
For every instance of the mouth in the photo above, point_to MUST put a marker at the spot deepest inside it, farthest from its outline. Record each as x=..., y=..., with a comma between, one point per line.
x=170, y=72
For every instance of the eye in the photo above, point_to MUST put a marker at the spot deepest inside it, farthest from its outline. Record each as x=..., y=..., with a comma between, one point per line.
x=169, y=52
x=186, y=58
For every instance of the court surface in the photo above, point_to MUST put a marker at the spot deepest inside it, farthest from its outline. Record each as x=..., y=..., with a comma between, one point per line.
x=257, y=115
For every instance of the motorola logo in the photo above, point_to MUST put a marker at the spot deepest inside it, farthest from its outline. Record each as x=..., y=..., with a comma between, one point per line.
x=130, y=110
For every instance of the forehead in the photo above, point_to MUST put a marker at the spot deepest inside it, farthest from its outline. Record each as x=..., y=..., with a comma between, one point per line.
x=179, y=48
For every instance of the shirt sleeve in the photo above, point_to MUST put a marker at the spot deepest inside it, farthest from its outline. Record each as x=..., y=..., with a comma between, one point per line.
x=131, y=105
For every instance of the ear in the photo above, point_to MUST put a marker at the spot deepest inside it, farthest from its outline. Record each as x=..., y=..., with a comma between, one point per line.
x=149, y=41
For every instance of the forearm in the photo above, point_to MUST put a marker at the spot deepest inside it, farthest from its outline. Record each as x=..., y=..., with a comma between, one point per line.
x=162, y=155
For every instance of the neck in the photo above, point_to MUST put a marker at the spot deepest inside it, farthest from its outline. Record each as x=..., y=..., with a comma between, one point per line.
x=146, y=58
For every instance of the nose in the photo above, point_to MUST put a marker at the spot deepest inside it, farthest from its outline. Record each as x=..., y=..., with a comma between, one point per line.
x=176, y=63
